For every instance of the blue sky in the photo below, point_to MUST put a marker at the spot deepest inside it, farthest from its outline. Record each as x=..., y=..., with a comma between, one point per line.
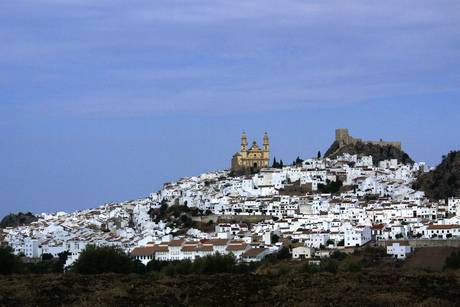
x=105, y=101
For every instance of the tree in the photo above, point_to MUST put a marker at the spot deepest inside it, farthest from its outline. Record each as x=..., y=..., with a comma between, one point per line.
x=9, y=262
x=275, y=164
x=63, y=256
x=284, y=254
x=103, y=259
x=47, y=256
x=452, y=261
x=319, y=154
x=281, y=164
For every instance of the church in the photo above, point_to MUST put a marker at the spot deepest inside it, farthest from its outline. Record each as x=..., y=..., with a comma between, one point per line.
x=253, y=157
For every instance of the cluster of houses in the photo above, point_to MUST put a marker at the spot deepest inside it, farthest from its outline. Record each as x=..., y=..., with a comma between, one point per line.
x=379, y=204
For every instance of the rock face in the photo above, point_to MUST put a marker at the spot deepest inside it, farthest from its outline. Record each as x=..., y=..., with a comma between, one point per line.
x=378, y=153
x=444, y=181
x=13, y=220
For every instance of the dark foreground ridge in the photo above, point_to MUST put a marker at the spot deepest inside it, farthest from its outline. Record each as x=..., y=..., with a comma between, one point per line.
x=374, y=288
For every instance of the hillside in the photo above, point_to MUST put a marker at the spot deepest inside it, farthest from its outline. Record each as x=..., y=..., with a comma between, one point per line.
x=378, y=153
x=384, y=288
x=444, y=181
x=13, y=220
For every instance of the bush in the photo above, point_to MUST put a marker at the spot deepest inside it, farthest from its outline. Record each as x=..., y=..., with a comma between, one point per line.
x=283, y=269
x=338, y=255
x=452, y=262
x=103, y=259
x=306, y=267
x=353, y=266
x=330, y=265
x=155, y=266
x=210, y=264
x=9, y=262
x=47, y=256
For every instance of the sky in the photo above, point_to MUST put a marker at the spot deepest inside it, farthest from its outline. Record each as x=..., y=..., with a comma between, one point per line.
x=104, y=101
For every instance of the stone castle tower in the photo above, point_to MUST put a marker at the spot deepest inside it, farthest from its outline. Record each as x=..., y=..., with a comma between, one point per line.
x=343, y=138
x=254, y=157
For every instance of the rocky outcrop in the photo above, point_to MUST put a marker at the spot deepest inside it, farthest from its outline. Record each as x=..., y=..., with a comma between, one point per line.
x=378, y=152
x=444, y=181
x=13, y=220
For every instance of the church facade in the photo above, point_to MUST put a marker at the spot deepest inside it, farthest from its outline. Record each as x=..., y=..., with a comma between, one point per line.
x=254, y=157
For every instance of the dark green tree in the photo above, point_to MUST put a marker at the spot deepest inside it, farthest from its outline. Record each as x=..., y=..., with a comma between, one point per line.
x=284, y=254
x=103, y=259
x=47, y=256
x=319, y=154
x=9, y=262
x=452, y=261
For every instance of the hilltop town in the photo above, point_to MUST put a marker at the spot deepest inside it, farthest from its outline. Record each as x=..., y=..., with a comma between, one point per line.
x=315, y=205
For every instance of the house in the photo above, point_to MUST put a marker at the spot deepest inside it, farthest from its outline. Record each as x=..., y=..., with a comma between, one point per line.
x=358, y=236
x=255, y=254
x=399, y=250
x=303, y=252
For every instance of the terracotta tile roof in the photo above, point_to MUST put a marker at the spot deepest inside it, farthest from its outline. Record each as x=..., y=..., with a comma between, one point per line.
x=237, y=246
x=148, y=250
x=253, y=252
x=218, y=241
x=442, y=227
x=176, y=242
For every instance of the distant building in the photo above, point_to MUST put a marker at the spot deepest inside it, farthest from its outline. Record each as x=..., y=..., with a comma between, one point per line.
x=253, y=157
x=399, y=250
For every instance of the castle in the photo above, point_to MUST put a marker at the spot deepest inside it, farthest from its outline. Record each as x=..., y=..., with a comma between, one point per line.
x=253, y=157
x=342, y=137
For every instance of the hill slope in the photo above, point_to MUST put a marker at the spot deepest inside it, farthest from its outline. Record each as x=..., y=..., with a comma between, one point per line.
x=444, y=181
x=378, y=153
x=13, y=220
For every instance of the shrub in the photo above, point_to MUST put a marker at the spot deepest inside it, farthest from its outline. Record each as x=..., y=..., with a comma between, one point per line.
x=306, y=267
x=283, y=269
x=338, y=255
x=47, y=256
x=353, y=266
x=330, y=265
x=452, y=261
x=103, y=259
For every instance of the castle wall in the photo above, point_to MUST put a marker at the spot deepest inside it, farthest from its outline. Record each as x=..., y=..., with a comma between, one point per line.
x=343, y=138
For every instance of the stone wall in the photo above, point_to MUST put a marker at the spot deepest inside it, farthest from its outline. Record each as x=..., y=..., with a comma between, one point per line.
x=239, y=218
x=424, y=242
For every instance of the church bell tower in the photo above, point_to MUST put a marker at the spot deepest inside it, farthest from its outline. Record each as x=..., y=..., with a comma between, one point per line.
x=244, y=143
x=266, y=146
